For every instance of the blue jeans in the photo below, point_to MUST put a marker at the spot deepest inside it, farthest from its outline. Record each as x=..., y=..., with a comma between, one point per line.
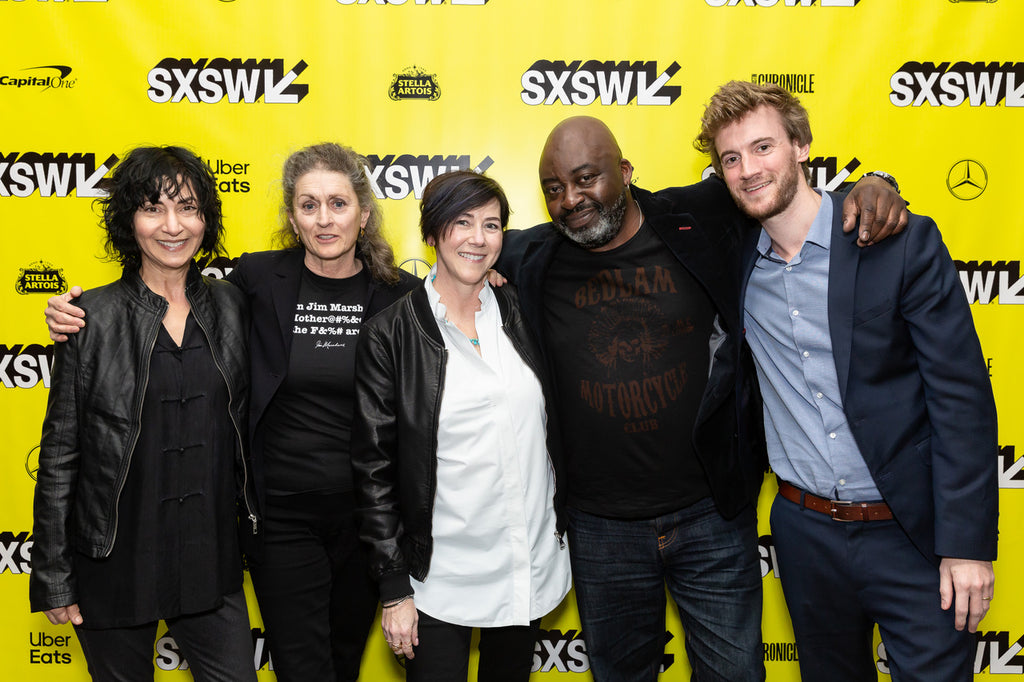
x=711, y=567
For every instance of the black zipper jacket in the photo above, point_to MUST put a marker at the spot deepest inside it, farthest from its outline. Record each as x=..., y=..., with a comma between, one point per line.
x=93, y=413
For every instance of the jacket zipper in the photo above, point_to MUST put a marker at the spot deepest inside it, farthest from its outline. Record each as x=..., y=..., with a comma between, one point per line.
x=238, y=432
x=135, y=435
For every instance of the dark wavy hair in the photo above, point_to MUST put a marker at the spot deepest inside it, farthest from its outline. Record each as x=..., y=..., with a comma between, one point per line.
x=449, y=195
x=371, y=246
x=141, y=177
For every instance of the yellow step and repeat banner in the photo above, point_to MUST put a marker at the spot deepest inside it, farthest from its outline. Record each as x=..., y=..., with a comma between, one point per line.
x=931, y=91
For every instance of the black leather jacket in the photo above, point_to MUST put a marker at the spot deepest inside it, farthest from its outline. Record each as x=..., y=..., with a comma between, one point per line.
x=92, y=418
x=400, y=370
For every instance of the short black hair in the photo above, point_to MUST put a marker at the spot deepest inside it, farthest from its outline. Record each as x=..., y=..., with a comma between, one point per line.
x=142, y=176
x=449, y=195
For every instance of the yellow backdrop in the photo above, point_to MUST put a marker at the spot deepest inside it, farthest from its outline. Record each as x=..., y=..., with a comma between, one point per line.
x=929, y=90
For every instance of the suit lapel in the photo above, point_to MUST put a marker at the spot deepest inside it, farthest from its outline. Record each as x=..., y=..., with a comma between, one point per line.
x=284, y=286
x=844, y=254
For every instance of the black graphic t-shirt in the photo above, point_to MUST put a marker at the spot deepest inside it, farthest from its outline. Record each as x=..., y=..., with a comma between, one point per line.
x=628, y=331
x=308, y=424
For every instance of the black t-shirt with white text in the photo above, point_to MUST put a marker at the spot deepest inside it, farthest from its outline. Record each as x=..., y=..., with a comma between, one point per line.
x=307, y=426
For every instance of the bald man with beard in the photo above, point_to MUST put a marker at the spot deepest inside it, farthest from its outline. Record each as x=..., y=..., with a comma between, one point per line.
x=635, y=298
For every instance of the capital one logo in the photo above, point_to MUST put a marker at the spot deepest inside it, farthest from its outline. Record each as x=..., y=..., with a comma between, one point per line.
x=610, y=83
x=211, y=80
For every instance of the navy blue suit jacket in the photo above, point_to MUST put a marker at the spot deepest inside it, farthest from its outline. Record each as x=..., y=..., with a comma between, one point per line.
x=914, y=385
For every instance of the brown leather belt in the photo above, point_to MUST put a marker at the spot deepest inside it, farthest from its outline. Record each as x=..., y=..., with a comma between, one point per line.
x=837, y=509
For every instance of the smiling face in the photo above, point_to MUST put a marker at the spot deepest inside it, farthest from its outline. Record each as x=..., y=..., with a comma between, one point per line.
x=326, y=217
x=468, y=247
x=168, y=232
x=760, y=163
x=585, y=183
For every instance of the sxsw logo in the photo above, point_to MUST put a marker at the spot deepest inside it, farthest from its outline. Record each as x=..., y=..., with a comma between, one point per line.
x=995, y=654
x=769, y=561
x=217, y=267
x=986, y=281
x=211, y=80
x=583, y=83
x=22, y=173
x=394, y=177
x=825, y=173
x=15, y=552
x=169, y=656
x=566, y=652
x=411, y=2
x=950, y=85
x=786, y=3
x=1011, y=469
x=25, y=366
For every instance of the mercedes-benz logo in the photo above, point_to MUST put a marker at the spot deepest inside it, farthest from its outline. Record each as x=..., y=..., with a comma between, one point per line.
x=967, y=179
x=417, y=267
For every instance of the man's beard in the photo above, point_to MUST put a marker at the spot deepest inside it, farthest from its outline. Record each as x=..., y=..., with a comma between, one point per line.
x=786, y=186
x=602, y=230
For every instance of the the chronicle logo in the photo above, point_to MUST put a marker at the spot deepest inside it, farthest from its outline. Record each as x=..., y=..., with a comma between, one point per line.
x=40, y=278
x=967, y=179
x=785, y=3
x=949, y=85
x=414, y=83
x=211, y=80
x=608, y=83
x=53, y=77
x=22, y=173
x=394, y=177
x=985, y=281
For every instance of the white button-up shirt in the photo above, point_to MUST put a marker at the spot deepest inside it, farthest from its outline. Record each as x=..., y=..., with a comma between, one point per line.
x=496, y=560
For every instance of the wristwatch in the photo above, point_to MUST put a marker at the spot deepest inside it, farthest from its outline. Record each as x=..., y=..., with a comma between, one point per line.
x=885, y=176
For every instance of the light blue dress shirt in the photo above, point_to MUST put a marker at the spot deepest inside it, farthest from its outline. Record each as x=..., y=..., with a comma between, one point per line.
x=786, y=316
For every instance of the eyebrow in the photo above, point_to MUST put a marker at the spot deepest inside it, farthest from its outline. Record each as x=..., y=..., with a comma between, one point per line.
x=589, y=165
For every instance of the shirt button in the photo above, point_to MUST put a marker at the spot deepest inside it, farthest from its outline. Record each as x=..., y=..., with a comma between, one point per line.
x=842, y=481
x=789, y=268
x=806, y=354
x=818, y=395
x=796, y=313
x=832, y=435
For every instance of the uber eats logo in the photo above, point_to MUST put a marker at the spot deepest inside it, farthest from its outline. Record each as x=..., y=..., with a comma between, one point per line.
x=211, y=80
x=608, y=82
x=948, y=84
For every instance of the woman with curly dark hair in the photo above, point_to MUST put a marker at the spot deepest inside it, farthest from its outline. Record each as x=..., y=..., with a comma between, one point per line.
x=140, y=463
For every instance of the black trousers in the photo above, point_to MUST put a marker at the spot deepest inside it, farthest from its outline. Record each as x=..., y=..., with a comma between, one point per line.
x=314, y=589
x=217, y=645
x=506, y=653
